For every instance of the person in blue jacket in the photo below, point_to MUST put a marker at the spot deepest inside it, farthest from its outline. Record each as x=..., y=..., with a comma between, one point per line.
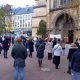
x=40, y=47
x=75, y=65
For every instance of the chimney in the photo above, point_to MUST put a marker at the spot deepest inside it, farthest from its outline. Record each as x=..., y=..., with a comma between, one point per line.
x=27, y=6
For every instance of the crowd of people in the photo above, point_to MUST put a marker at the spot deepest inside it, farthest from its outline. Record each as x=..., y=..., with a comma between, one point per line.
x=23, y=47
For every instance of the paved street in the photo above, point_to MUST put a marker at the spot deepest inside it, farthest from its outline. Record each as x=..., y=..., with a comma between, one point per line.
x=32, y=71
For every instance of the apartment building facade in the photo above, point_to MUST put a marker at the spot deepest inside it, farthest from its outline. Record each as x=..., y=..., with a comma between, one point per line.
x=22, y=19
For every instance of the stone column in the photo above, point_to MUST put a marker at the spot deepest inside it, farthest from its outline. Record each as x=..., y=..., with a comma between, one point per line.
x=79, y=15
x=48, y=14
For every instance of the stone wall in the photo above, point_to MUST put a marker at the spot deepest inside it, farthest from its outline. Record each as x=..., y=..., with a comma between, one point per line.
x=51, y=16
x=38, y=15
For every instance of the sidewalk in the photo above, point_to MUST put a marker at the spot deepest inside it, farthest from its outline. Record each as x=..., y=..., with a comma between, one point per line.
x=32, y=71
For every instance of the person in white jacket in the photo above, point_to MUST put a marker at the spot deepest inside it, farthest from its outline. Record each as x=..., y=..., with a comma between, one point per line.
x=49, y=49
x=57, y=52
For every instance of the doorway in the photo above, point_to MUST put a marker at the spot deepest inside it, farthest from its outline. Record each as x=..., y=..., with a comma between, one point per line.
x=70, y=36
x=65, y=26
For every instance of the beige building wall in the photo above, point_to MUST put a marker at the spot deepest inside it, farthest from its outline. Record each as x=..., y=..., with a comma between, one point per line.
x=40, y=2
x=39, y=11
x=38, y=15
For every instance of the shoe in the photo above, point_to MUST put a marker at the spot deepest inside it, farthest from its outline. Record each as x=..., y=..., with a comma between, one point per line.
x=57, y=68
x=6, y=57
x=69, y=72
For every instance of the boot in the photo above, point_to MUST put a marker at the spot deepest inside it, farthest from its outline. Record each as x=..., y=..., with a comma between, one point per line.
x=69, y=70
x=57, y=67
x=39, y=63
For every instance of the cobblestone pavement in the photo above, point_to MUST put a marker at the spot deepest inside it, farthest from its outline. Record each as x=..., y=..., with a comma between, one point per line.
x=32, y=71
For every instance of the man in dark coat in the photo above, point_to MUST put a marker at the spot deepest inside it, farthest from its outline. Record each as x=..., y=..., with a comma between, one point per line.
x=54, y=42
x=31, y=48
x=5, y=46
x=40, y=51
x=75, y=65
x=19, y=54
x=69, y=57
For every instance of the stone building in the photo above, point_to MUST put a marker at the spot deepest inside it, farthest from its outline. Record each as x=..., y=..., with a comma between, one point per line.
x=39, y=14
x=61, y=19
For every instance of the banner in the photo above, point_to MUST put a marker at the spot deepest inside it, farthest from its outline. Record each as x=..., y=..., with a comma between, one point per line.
x=55, y=36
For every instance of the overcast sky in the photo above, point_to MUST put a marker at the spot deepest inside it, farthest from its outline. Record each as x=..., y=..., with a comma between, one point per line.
x=18, y=3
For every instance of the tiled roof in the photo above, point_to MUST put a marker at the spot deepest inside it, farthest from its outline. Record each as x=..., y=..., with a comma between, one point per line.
x=20, y=10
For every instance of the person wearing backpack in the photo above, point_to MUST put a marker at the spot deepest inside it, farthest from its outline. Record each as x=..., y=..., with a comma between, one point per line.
x=40, y=51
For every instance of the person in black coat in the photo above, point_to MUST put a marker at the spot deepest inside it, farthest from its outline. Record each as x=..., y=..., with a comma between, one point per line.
x=69, y=57
x=75, y=65
x=5, y=46
x=31, y=48
x=40, y=51
x=19, y=55
x=54, y=42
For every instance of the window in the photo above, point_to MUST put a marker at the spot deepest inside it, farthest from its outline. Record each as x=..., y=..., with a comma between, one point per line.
x=61, y=2
x=55, y=3
x=64, y=1
x=23, y=25
x=28, y=24
x=18, y=17
x=28, y=17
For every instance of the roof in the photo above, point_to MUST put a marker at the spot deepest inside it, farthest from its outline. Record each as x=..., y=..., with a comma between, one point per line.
x=20, y=10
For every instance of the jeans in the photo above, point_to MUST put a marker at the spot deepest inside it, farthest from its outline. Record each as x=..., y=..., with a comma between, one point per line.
x=75, y=75
x=19, y=70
